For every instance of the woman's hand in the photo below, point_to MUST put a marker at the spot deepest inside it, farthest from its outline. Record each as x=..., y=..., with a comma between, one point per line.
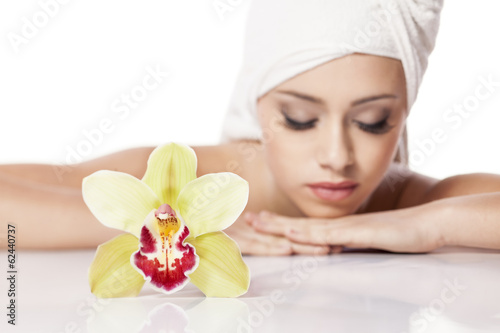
x=409, y=230
x=254, y=242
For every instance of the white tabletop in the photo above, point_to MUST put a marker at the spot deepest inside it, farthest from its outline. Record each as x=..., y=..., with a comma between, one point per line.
x=452, y=290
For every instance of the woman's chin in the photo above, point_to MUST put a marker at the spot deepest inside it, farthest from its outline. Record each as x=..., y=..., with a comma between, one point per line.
x=318, y=210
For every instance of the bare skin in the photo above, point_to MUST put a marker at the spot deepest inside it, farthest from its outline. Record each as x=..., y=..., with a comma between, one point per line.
x=60, y=211
x=63, y=221
x=393, y=208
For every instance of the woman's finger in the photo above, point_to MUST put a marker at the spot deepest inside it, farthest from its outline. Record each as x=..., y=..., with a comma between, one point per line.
x=355, y=235
x=279, y=225
x=254, y=243
x=275, y=225
x=307, y=249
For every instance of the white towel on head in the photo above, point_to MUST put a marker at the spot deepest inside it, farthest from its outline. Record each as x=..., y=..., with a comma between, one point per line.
x=284, y=38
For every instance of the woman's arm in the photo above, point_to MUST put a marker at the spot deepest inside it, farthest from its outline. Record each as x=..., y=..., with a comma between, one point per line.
x=48, y=216
x=131, y=161
x=45, y=202
x=461, y=210
x=419, y=189
x=472, y=220
x=471, y=209
x=49, y=211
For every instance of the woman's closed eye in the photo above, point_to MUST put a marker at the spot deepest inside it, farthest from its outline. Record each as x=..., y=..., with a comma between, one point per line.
x=298, y=125
x=380, y=127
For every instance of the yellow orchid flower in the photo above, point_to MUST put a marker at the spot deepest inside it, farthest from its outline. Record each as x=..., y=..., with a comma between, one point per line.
x=174, y=222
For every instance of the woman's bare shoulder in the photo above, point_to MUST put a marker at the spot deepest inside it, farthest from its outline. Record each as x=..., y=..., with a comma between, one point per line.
x=400, y=188
x=244, y=158
x=237, y=157
x=413, y=186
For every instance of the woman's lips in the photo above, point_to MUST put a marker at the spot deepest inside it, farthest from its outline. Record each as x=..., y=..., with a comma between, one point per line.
x=333, y=191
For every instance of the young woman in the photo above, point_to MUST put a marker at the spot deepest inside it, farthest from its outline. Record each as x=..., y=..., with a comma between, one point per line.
x=317, y=127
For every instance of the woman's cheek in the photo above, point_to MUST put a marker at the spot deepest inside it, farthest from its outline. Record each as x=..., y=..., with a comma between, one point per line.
x=282, y=158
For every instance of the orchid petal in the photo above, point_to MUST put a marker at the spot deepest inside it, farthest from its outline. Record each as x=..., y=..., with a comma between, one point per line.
x=221, y=271
x=118, y=200
x=111, y=274
x=163, y=259
x=212, y=202
x=170, y=168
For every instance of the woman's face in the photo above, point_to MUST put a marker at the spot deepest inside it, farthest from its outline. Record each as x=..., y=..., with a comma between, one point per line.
x=340, y=121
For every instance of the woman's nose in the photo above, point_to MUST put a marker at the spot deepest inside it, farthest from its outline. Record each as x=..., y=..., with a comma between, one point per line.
x=334, y=149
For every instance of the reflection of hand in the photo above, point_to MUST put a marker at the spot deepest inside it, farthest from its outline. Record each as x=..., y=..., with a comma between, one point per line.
x=254, y=242
x=403, y=230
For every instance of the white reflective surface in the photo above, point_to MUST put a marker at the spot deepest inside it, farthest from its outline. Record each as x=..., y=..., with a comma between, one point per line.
x=453, y=290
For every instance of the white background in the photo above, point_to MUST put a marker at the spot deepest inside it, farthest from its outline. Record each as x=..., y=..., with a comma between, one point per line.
x=66, y=77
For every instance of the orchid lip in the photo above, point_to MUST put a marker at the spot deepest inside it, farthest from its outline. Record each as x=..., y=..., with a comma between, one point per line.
x=163, y=258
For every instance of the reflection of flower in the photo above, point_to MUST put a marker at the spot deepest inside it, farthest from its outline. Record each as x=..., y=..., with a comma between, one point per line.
x=187, y=315
x=166, y=317
x=173, y=220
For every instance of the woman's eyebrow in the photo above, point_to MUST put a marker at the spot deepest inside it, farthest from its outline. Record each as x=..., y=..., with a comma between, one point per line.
x=372, y=98
x=302, y=96
x=318, y=100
